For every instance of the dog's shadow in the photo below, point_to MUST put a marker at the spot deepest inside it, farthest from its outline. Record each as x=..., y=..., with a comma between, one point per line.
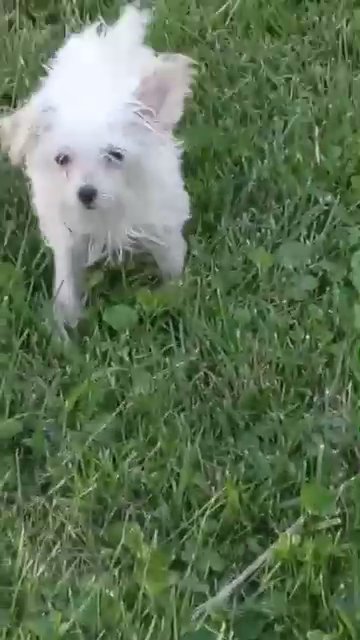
x=113, y=282
x=109, y=284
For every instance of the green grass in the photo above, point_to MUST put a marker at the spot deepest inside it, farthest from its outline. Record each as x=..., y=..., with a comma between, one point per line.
x=155, y=458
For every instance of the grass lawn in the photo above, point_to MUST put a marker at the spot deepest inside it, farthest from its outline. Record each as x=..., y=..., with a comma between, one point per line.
x=150, y=462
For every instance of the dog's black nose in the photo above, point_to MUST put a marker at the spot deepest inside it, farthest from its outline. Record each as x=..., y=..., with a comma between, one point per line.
x=87, y=195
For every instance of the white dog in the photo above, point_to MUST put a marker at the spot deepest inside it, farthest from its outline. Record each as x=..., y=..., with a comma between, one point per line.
x=96, y=141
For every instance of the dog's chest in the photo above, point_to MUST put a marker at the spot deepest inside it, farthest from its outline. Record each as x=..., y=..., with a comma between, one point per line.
x=110, y=241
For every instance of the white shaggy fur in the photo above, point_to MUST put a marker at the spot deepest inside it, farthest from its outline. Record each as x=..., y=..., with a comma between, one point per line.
x=103, y=118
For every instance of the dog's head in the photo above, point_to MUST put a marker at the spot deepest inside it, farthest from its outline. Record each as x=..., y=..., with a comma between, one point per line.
x=96, y=128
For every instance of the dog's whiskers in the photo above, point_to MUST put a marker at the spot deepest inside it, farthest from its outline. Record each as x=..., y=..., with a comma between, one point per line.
x=107, y=196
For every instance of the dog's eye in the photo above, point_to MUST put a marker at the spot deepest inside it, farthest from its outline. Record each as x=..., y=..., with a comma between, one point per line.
x=115, y=155
x=62, y=159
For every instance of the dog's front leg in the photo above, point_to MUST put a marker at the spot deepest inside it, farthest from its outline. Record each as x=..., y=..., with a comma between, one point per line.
x=168, y=250
x=69, y=261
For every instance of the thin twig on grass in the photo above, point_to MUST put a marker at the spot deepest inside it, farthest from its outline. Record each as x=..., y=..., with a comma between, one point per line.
x=230, y=587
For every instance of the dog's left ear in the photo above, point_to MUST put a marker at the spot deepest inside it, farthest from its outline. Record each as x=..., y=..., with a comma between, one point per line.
x=19, y=131
x=164, y=90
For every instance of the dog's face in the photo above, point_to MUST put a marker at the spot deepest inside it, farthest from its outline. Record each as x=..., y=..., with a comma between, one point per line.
x=89, y=165
x=97, y=158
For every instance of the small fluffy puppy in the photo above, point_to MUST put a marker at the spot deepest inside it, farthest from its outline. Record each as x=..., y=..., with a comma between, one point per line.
x=96, y=141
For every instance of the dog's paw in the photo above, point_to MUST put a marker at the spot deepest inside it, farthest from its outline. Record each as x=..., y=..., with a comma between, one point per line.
x=67, y=314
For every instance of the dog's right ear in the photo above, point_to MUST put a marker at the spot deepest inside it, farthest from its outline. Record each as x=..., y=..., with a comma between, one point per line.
x=18, y=131
x=163, y=91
